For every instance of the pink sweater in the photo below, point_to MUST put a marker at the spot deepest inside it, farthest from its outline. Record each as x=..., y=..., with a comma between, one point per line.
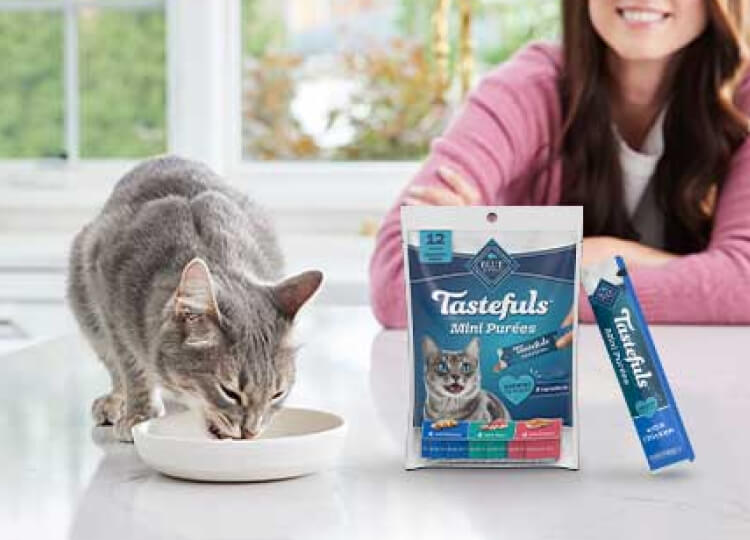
x=499, y=141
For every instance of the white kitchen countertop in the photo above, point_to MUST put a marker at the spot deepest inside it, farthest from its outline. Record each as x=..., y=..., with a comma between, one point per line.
x=57, y=482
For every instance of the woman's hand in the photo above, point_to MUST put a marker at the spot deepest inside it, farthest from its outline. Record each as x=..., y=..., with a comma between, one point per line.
x=457, y=191
x=599, y=248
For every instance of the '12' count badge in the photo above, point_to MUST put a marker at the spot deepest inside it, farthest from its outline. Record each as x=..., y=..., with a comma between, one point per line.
x=435, y=247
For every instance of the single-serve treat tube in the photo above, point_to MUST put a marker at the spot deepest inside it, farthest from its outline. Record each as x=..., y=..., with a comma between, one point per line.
x=636, y=363
x=526, y=350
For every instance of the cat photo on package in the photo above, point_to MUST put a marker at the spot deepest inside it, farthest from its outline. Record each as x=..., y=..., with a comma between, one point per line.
x=453, y=385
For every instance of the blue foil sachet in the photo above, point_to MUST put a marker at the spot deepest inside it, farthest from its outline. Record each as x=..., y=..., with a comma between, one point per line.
x=637, y=365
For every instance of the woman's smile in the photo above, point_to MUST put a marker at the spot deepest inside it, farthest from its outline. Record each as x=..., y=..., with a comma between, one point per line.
x=648, y=29
x=642, y=16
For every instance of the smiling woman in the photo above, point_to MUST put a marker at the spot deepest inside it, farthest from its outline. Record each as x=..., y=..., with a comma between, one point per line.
x=673, y=78
x=641, y=118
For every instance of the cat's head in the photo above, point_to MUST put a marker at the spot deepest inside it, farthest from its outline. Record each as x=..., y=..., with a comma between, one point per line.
x=227, y=348
x=451, y=374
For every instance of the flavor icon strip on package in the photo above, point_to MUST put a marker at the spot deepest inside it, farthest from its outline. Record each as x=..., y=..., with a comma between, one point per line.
x=537, y=439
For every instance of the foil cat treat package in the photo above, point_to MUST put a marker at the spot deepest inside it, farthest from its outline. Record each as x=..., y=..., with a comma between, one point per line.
x=492, y=295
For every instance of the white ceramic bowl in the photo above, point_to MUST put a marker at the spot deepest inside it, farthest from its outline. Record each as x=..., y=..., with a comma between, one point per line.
x=296, y=442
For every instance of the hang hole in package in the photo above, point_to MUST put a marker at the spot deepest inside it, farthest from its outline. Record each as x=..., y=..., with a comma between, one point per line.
x=492, y=296
x=631, y=350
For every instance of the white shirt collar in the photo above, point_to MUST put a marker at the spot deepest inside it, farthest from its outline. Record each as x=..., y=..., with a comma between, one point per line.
x=638, y=166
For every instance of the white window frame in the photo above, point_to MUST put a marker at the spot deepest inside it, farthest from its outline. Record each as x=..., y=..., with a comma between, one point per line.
x=204, y=115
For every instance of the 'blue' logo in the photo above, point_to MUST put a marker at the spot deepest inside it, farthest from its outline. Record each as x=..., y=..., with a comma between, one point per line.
x=605, y=294
x=492, y=265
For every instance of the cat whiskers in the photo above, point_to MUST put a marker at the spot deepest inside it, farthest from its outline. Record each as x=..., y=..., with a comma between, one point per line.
x=229, y=432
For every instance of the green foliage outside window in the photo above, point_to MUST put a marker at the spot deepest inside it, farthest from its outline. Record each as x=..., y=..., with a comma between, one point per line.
x=391, y=114
x=31, y=88
x=122, y=84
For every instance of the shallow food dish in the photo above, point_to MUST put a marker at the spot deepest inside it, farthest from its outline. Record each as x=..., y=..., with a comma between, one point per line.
x=297, y=442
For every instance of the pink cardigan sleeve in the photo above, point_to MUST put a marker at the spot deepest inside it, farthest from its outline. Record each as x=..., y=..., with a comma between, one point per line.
x=711, y=287
x=496, y=137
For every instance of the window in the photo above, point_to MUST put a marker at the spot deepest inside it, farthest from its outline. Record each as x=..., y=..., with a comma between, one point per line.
x=31, y=88
x=82, y=79
x=338, y=80
x=361, y=79
x=321, y=109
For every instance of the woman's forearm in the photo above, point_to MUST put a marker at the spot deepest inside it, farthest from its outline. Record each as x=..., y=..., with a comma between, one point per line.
x=599, y=248
x=636, y=254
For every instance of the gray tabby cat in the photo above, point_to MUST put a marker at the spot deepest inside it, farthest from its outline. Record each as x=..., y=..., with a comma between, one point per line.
x=176, y=284
x=453, y=384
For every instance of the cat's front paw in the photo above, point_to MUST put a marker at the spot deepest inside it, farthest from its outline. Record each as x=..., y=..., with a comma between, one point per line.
x=108, y=409
x=124, y=426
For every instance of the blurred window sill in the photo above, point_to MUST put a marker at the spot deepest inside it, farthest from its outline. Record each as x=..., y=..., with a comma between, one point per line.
x=33, y=266
x=304, y=197
x=326, y=214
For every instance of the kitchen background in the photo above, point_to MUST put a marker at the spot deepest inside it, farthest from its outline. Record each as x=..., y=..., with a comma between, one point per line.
x=320, y=109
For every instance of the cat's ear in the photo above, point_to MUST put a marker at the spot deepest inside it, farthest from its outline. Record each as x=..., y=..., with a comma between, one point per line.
x=472, y=349
x=291, y=294
x=429, y=348
x=195, y=293
x=196, y=307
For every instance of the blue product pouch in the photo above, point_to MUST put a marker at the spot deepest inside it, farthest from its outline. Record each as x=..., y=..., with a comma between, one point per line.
x=637, y=365
x=492, y=297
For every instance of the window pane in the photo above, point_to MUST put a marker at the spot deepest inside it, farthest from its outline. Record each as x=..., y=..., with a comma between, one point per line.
x=31, y=85
x=507, y=25
x=122, y=82
x=357, y=79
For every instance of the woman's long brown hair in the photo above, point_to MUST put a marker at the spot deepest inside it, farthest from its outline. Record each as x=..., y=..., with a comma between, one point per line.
x=702, y=128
